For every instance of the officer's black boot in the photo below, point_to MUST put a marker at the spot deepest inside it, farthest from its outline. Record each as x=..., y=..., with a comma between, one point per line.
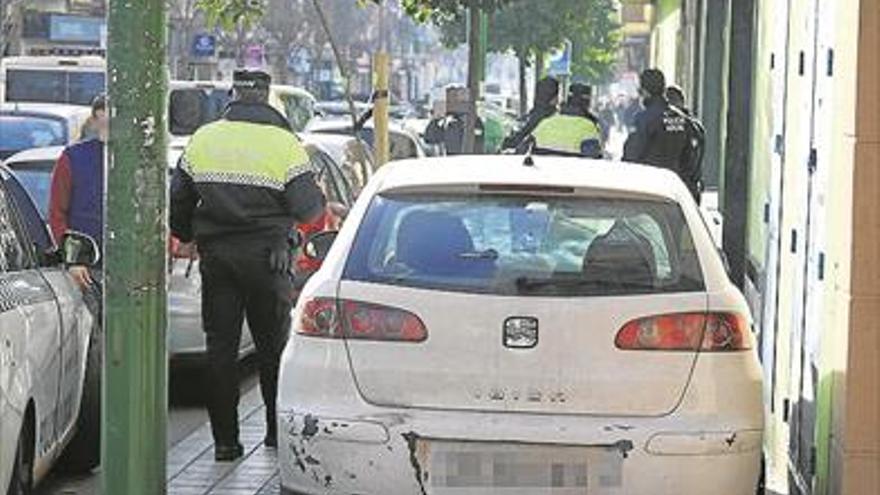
x=271, y=439
x=225, y=453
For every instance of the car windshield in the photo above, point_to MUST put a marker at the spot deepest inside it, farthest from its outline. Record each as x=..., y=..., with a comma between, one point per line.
x=512, y=245
x=36, y=177
x=299, y=110
x=22, y=132
x=191, y=108
x=54, y=86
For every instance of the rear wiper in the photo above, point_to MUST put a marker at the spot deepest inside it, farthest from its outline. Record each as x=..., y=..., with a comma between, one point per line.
x=489, y=254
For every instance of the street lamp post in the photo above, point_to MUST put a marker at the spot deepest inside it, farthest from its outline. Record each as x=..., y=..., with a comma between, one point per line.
x=135, y=365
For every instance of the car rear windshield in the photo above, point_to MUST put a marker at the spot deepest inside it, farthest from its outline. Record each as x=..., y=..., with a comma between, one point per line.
x=191, y=108
x=36, y=177
x=22, y=132
x=526, y=246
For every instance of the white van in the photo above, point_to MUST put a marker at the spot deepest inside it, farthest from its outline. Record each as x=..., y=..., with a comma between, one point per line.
x=53, y=79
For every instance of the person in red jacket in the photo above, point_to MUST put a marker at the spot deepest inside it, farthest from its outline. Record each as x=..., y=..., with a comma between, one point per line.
x=76, y=198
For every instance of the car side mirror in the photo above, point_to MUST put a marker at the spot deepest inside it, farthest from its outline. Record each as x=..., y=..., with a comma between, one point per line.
x=318, y=245
x=79, y=249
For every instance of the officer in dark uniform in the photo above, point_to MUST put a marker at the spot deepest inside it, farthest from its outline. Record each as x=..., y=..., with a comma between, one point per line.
x=574, y=131
x=241, y=185
x=661, y=137
x=546, y=102
x=697, y=135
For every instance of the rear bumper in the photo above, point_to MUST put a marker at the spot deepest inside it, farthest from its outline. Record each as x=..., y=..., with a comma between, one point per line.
x=389, y=453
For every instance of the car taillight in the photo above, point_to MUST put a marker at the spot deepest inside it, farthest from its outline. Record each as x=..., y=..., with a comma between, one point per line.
x=335, y=319
x=712, y=332
x=174, y=248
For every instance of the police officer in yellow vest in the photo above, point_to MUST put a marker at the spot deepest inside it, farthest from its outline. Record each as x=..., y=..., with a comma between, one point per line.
x=574, y=131
x=241, y=185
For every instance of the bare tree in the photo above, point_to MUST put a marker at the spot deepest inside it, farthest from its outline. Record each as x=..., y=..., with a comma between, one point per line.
x=184, y=18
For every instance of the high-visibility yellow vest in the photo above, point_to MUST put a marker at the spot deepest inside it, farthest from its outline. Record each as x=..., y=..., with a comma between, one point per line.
x=234, y=152
x=565, y=133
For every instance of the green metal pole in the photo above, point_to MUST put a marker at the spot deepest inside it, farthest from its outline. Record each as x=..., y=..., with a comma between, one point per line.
x=135, y=365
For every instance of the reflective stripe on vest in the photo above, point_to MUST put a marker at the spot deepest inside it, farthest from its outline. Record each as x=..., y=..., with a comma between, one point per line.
x=565, y=133
x=244, y=153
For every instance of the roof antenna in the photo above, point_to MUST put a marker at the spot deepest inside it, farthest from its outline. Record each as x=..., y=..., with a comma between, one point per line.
x=528, y=161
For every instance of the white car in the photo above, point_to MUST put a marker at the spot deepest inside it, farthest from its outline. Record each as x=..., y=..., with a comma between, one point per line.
x=501, y=324
x=50, y=354
x=33, y=125
x=403, y=144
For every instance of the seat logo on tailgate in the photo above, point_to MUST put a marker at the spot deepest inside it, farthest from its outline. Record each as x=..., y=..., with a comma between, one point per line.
x=520, y=332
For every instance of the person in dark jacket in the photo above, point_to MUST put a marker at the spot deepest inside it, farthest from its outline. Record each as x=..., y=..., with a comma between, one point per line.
x=546, y=102
x=242, y=184
x=661, y=137
x=697, y=135
x=448, y=129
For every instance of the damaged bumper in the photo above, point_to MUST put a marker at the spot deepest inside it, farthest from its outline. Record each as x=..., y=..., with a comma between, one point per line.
x=434, y=453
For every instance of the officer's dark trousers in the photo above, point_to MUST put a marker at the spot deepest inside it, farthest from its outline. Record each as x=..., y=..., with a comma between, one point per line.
x=237, y=283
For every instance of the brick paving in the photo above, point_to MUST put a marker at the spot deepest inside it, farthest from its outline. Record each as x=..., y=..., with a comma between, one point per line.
x=193, y=471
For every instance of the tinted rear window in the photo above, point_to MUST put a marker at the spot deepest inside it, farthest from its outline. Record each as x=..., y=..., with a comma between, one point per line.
x=192, y=108
x=511, y=245
x=54, y=86
x=22, y=132
x=36, y=177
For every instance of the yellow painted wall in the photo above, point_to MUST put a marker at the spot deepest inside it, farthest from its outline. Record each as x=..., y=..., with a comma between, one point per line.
x=665, y=39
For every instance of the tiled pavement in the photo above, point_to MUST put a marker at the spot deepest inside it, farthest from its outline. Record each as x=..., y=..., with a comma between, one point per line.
x=193, y=471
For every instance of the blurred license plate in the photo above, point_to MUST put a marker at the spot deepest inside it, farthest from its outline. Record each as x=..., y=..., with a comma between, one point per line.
x=459, y=468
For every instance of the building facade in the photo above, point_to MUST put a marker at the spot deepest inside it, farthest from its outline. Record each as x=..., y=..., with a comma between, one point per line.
x=790, y=94
x=54, y=27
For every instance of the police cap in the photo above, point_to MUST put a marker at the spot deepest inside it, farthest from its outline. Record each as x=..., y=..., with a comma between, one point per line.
x=251, y=79
x=581, y=90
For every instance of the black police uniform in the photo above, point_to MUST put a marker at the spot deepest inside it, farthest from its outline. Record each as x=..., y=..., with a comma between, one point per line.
x=661, y=138
x=242, y=184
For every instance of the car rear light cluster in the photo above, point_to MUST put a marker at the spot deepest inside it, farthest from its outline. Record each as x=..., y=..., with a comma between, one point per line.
x=174, y=248
x=337, y=319
x=705, y=332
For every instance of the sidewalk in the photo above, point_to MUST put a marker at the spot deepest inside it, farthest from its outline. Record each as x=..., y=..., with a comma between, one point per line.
x=193, y=471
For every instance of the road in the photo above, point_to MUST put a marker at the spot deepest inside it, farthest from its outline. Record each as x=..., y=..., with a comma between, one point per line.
x=186, y=414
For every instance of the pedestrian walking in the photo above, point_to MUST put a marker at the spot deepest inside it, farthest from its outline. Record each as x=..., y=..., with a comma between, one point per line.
x=661, y=137
x=575, y=131
x=242, y=184
x=546, y=103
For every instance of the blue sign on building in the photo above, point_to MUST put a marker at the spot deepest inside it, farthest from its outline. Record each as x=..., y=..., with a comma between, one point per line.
x=204, y=45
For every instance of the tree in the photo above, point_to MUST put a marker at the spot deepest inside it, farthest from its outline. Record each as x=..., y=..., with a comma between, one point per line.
x=530, y=30
x=594, y=50
x=182, y=14
x=296, y=28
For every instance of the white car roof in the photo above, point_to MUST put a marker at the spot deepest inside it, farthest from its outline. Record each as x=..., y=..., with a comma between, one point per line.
x=55, y=109
x=42, y=62
x=332, y=144
x=549, y=171
x=36, y=155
